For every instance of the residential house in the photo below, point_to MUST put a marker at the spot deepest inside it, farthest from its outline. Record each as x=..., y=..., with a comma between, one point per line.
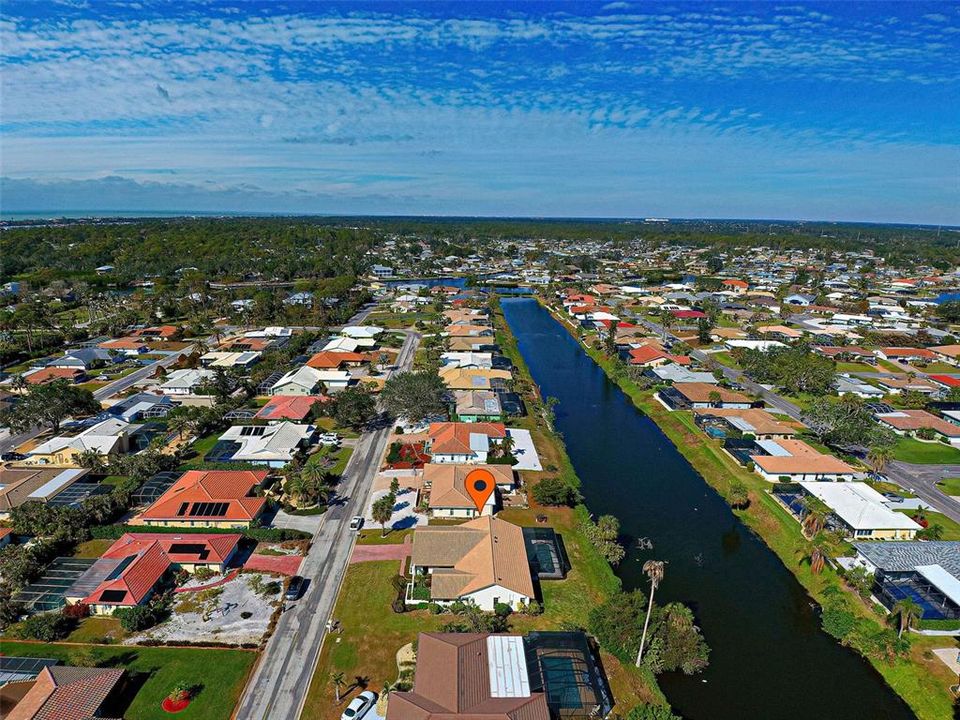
x=140, y=406
x=62, y=692
x=163, y=333
x=862, y=511
x=906, y=354
x=448, y=492
x=272, y=445
x=108, y=438
x=475, y=378
x=947, y=353
x=753, y=421
x=131, y=570
x=126, y=346
x=83, y=359
x=458, y=442
x=503, y=677
x=912, y=422
x=44, y=375
x=902, y=383
x=306, y=380
x=686, y=396
x=209, y=498
x=845, y=385
x=185, y=381
x=295, y=408
x=478, y=406
x=483, y=561
x=230, y=359
x=30, y=484
x=797, y=461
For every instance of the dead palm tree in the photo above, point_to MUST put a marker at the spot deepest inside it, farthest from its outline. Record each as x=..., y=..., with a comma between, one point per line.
x=336, y=679
x=654, y=570
x=878, y=457
x=816, y=516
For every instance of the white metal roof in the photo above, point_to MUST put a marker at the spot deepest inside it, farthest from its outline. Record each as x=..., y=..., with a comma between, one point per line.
x=507, y=667
x=859, y=506
x=943, y=580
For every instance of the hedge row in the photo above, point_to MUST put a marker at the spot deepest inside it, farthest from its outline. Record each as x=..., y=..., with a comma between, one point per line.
x=939, y=624
x=113, y=532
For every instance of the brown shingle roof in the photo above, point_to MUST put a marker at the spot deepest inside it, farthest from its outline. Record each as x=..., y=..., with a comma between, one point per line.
x=66, y=693
x=477, y=554
x=447, y=482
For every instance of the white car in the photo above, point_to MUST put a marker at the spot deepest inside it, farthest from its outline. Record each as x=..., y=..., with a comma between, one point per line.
x=356, y=523
x=359, y=706
x=328, y=439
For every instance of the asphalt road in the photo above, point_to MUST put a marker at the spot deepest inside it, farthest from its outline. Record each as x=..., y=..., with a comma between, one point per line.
x=278, y=687
x=10, y=442
x=922, y=480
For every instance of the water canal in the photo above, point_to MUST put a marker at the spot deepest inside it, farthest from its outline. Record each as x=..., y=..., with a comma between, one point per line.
x=769, y=658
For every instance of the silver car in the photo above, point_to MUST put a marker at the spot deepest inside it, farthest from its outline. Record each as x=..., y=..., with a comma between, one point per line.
x=359, y=706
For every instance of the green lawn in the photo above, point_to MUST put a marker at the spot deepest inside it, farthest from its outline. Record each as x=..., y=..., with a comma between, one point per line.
x=221, y=675
x=854, y=367
x=912, y=450
x=951, y=529
x=725, y=358
x=204, y=445
x=951, y=486
x=92, y=548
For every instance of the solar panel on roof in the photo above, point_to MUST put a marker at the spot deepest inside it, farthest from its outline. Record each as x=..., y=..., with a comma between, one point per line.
x=113, y=596
x=183, y=509
x=121, y=566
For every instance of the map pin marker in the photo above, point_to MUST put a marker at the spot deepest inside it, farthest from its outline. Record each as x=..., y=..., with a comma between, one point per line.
x=480, y=485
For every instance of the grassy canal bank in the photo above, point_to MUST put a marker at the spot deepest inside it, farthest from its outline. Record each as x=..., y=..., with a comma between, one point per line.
x=917, y=676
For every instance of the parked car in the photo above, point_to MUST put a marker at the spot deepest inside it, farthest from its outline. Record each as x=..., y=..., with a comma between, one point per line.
x=10, y=456
x=330, y=438
x=359, y=706
x=356, y=522
x=294, y=588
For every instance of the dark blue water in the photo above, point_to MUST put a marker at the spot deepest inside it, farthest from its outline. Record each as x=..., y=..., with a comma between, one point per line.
x=769, y=658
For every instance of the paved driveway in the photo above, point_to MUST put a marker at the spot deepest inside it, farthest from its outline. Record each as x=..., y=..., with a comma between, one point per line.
x=404, y=510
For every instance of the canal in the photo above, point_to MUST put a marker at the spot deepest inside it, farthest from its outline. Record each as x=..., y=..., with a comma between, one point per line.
x=769, y=658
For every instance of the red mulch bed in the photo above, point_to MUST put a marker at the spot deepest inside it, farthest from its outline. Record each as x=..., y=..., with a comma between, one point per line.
x=175, y=706
x=411, y=456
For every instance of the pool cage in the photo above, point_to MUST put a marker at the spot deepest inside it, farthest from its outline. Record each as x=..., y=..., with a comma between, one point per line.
x=156, y=486
x=546, y=553
x=49, y=591
x=564, y=667
x=891, y=589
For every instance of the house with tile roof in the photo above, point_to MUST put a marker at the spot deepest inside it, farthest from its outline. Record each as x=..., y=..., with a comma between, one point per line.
x=686, y=396
x=272, y=445
x=208, y=498
x=131, y=570
x=60, y=692
x=33, y=484
x=483, y=560
x=42, y=376
x=794, y=459
x=910, y=422
x=478, y=406
x=449, y=498
x=456, y=442
x=295, y=408
x=306, y=380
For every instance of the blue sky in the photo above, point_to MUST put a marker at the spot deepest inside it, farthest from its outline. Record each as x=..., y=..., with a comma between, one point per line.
x=839, y=111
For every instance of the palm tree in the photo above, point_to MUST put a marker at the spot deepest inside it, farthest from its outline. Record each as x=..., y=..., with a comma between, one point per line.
x=179, y=424
x=878, y=457
x=908, y=611
x=382, y=511
x=654, y=570
x=815, y=552
x=337, y=681
x=92, y=460
x=382, y=700
x=816, y=516
x=666, y=321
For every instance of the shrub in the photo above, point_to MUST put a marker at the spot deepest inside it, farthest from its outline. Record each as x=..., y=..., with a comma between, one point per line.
x=203, y=574
x=555, y=491
x=651, y=712
x=76, y=611
x=136, y=618
x=837, y=620
x=47, y=627
x=502, y=609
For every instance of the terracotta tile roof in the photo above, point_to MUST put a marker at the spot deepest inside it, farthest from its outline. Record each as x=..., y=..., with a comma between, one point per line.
x=453, y=681
x=231, y=487
x=450, y=438
x=736, y=283
x=329, y=359
x=802, y=459
x=947, y=380
x=475, y=555
x=760, y=420
x=908, y=352
x=136, y=580
x=950, y=351
x=290, y=407
x=50, y=374
x=123, y=344
x=700, y=392
x=66, y=693
x=447, y=482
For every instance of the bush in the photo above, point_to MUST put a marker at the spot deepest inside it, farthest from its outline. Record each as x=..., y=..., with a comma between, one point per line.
x=502, y=609
x=837, y=620
x=555, y=491
x=46, y=627
x=203, y=574
x=136, y=618
x=76, y=611
x=114, y=532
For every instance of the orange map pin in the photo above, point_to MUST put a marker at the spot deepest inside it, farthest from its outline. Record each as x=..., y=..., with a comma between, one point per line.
x=480, y=484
